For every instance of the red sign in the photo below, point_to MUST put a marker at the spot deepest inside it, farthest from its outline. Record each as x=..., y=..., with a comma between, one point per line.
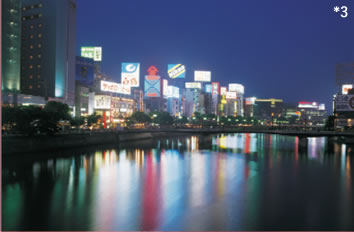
x=152, y=70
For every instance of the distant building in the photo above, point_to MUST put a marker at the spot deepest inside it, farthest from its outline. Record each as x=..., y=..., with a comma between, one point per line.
x=268, y=109
x=85, y=71
x=312, y=113
x=138, y=96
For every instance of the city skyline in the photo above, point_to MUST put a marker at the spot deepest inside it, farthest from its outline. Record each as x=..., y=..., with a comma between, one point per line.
x=263, y=50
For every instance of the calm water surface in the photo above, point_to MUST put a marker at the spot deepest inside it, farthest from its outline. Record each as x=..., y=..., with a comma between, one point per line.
x=218, y=182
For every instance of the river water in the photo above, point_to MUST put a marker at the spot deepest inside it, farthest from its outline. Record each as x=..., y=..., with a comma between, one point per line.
x=215, y=182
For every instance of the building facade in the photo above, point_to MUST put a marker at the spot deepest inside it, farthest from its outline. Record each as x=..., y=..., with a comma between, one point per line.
x=48, y=49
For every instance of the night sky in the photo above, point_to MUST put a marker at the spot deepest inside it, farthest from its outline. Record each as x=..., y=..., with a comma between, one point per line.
x=277, y=48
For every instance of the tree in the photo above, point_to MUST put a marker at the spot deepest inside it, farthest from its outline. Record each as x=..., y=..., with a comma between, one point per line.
x=330, y=122
x=140, y=117
x=77, y=121
x=163, y=118
x=92, y=119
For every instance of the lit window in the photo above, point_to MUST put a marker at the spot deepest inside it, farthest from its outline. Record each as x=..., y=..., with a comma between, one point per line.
x=38, y=66
x=23, y=18
x=30, y=76
x=32, y=16
x=38, y=86
x=31, y=36
x=32, y=26
x=24, y=8
x=38, y=76
x=30, y=86
x=39, y=55
x=40, y=25
x=31, y=46
x=31, y=57
x=30, y=67
x=40, y=5
x=39, y=35
x=39, y=45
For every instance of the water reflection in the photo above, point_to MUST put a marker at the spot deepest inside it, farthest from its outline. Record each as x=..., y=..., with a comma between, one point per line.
x=219, y=182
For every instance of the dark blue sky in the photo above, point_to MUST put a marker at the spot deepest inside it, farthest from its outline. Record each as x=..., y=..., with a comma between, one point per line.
x=276, y=48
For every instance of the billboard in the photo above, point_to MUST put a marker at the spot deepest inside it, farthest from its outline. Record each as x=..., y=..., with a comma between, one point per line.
x=308, y=105
x=165, y=88
x=173, y=92
x=203, y=76
x=102, y=102
x=113, y=87
x=322, y=107
x=237, y=88
x=223, y=91
x=193, y=85
x=250, y=100
x=130, y=74
x=345, y=102
x=94, y=53
x=176, y=71
x=215, y=88
x=152, y=86
x=346, y=88
x=231, y=95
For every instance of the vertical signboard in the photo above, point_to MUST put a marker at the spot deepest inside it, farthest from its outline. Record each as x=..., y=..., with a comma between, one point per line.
x=215, y=88
x=130, y=74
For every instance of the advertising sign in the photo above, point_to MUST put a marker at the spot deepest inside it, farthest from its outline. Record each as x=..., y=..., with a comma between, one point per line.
x=94, y=53
x=215, y=88
x=223, y=91
x=176, y=71
x=203, y=76
x=207, y=88
x=113, y=87
x=102, y=102
x=346, y=88
x=193, y=85
x=309, y=105
x=231, y=95
x=250, y=100
x=345, y=102
x=322, y=107
x=130, y=74
x=165, y=88
x=152, y=86
x=237, y=88
x=173, y=91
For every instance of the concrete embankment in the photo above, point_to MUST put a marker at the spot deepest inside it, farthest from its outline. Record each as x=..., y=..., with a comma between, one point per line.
x=24, y=144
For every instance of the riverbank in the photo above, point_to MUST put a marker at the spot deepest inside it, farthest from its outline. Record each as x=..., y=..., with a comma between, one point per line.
x=24, y=144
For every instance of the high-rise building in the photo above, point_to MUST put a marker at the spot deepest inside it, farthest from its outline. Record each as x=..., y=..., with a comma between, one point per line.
x=11, y=48
x=48, y=49
x=268, y=109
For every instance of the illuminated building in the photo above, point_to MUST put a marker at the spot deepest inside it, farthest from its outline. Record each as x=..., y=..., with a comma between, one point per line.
x=84, y=81
x=48, y=49
x=343, y=105
x=249, y=105
x=173, y=106
x=268, y=109
x=138, y=96
x=240, y=91
x=11, y=49
x=312, y=113
x=187, y=104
